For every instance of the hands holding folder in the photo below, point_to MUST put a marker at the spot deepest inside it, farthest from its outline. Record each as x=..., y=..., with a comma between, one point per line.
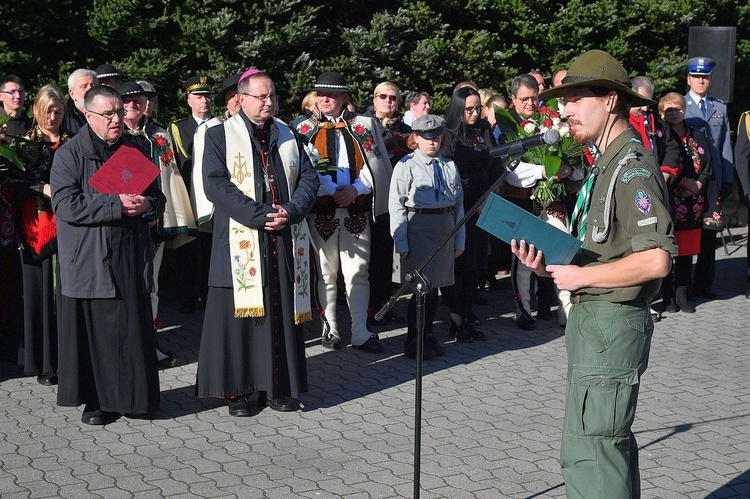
x=133, y=204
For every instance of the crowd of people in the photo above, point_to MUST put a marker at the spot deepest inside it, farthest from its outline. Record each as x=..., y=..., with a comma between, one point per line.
x=261, y=221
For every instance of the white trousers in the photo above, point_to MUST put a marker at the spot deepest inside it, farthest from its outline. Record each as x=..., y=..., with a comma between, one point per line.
x=342, y=242
x=522, y=279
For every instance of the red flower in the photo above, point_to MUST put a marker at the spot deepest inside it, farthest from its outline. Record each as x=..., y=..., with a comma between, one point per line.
x=253, y=271
x=298, y=279
x=244, y=244
x=554, y=114
x=367, y=146
x=524, y=123
x=321, y=312
x=370, y=139
x=160, y=141
x=544, y=109
x=304, y=129
x=359, y=129
x=548, y=123
x=157, y=322
x=164, y=158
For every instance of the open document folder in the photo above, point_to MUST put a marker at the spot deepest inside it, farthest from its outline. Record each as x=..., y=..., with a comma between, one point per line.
x=507, y=221
x=128, y=171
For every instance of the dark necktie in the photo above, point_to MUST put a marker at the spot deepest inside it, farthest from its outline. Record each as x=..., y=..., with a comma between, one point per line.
x=438, y=174
x=702, y=104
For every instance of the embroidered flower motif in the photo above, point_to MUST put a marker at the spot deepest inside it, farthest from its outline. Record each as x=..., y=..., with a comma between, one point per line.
x=160, y=141
x=253, y=271
x=244, y=244
x=359, y=129
x=326, y=225
x=301, y=251
x=355, y=224
x=304, y=129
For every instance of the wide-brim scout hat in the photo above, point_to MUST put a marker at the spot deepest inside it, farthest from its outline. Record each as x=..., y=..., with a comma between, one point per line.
x=597, y=68
x=330, y=82
x=107, y=71
x=131, y=88
x=229, y=84
x=428, y=126
x=199, y=84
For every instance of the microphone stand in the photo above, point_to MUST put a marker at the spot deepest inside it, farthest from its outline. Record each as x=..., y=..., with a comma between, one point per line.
x=420, y=285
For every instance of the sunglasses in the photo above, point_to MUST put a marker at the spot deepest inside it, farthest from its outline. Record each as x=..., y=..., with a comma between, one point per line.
x=390, y=97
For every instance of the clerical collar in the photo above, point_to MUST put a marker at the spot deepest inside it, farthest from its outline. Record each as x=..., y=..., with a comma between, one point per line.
x=107, y=142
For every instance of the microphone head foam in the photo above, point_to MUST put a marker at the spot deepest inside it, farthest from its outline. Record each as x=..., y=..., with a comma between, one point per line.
x=551, y=136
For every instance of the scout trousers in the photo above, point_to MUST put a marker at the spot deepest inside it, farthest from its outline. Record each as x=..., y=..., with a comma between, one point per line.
x=608, y=346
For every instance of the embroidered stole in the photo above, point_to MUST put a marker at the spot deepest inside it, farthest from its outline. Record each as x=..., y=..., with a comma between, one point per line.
x=178, y=212
x=247, y=278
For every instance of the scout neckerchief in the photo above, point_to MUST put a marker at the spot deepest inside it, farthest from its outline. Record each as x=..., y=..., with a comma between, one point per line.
x=247, y=278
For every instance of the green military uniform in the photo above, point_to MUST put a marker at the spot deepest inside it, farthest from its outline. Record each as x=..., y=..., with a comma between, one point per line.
x=608, y=335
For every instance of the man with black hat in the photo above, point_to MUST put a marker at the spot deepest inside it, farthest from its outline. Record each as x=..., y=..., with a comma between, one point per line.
x=624, y=223
x=354, y=172
x=188, y=258
x=709, y=115
x=108, y=75
x=177, y=219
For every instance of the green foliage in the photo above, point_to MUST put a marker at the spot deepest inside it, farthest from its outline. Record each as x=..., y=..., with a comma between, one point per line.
x=419, y=45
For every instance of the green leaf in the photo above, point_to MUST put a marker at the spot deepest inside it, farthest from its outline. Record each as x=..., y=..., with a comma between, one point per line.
x=551, y=165
x=507, y=124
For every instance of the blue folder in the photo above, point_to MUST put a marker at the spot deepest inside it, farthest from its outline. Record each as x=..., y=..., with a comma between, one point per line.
x=506, y=221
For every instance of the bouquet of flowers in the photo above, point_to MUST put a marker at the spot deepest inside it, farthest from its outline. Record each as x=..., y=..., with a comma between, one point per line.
x=567, y=150
x=322, y=165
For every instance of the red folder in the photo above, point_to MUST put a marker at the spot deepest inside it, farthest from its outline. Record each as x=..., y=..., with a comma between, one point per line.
x=128, y=171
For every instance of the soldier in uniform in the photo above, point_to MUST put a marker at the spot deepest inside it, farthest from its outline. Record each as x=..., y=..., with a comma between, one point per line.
x=709, y=115
x=623, y=221
x=189, y=258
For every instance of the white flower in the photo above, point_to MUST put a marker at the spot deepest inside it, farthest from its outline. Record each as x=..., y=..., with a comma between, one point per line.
x=555, y=122
x=312, y=152
x=543, y=129
x=529, y=128
x=565, y=131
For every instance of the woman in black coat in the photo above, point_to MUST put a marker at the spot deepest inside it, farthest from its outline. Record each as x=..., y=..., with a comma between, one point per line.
x=468, y=142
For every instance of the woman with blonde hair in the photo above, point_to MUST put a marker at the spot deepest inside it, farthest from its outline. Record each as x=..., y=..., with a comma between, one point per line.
x=37, y=234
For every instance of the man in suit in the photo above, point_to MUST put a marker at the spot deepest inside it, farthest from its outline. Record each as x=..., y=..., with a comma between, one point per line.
x=188, y=258
x=709, y=115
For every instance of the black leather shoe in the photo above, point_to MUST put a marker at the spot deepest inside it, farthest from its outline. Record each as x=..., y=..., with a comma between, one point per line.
x=544, y=314
x=166, y=359
x=47, y=379
x=331, y=343
x=523, y=322
x=472, y=319
x=459, y=333
x=436, y=347
x=410, y=351
x=283, y=404
x=93, y=415
x=372, y=345
x=239, y=406
x=475, y=334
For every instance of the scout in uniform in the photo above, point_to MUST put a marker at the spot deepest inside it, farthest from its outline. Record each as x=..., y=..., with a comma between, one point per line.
x=425, y=203
x=625, y=226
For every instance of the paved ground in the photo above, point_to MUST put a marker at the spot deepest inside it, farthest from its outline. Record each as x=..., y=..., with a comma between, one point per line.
x=492, y=417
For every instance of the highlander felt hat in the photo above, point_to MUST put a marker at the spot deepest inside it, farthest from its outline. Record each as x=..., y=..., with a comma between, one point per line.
x=330, y=82
x=597, y=68
x=107, y=71
x=130, y=88
x=229, y=84
x=428, y=126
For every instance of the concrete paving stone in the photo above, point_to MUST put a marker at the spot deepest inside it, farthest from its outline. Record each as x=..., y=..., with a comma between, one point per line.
x=170, y=487
x=151, y=472
x=76, y=491
x=41, y=488
x=134, y=483
x=26, y=474
x=187, y=475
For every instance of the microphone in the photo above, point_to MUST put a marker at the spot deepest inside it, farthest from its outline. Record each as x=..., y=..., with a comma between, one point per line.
x=518, y=147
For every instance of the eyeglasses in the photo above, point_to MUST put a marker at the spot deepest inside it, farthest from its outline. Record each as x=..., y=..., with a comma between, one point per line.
x=262, y=98
x=110, y=115
x=391, y=98
x=532, y=98
x=13, y=92
x=473, y=109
